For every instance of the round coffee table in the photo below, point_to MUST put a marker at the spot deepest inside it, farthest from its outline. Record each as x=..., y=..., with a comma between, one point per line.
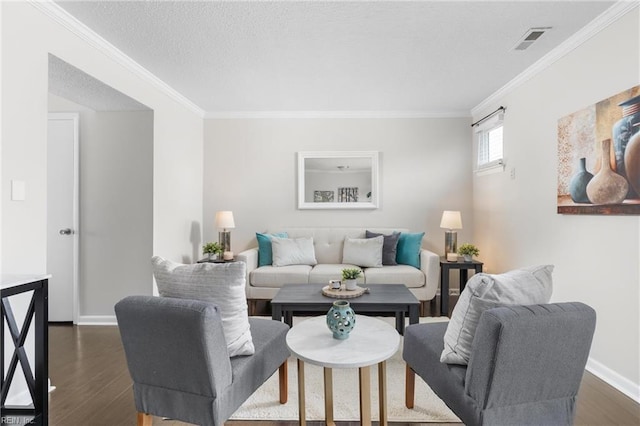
x=372, y=341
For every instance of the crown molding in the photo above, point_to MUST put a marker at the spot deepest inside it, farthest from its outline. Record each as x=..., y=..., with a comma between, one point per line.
x=69, y=22
x=601, y=22
x=333, y=114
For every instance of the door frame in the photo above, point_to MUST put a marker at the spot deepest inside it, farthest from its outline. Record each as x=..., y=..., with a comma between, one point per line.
x=75, y=117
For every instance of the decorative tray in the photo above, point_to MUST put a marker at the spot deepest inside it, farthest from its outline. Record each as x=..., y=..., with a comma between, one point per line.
x=343, y=293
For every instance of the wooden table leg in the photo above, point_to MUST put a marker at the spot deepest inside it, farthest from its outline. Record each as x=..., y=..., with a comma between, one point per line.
x=301, y=409
x=444, y=291
x=410, y=386
x=382, y=392
x=365, y=396
x=328, y=397
x=284, y=382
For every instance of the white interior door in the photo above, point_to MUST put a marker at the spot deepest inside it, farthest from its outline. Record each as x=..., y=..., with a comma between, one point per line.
x=62, y=216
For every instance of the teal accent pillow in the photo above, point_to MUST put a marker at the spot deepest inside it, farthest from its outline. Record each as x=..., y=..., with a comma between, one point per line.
x=265, y=252
x=408, y=251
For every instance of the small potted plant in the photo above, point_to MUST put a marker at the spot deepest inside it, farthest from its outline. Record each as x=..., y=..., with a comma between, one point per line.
x=467, y=251
x=214, y=250
x=349, y=276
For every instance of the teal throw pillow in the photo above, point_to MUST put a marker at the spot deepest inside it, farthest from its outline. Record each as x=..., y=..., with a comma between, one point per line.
x=408, y=251
x=265, y=252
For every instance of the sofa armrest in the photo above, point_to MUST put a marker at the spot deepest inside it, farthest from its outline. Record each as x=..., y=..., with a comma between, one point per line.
x=430, y=266
x=250, y=258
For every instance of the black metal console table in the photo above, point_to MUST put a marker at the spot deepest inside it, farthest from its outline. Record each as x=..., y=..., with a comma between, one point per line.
x=38, y=383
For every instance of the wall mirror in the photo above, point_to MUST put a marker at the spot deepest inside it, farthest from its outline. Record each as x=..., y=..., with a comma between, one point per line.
x=338, y=180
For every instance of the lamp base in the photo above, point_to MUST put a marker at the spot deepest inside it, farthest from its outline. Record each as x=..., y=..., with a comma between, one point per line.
x=450, y=242
x=224, y=238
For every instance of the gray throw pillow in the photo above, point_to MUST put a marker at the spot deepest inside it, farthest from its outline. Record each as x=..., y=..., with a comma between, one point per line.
x=527, y=286
x=219, y=283
x=389, y=248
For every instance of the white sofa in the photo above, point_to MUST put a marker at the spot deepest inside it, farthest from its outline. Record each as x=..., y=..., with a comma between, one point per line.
x=263, y=282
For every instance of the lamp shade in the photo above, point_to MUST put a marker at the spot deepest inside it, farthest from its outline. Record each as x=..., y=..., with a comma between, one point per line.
x=224, y=220
x=451, y=220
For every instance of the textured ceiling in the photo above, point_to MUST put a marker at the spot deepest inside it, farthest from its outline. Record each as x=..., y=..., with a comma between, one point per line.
x=429, y=57
x=70, y=83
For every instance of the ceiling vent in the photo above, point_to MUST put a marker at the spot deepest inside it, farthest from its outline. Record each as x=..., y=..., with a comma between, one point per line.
x=530, y=37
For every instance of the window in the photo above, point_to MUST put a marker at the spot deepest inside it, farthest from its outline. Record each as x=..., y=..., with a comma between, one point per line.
x=490, y=146
x=490, y=137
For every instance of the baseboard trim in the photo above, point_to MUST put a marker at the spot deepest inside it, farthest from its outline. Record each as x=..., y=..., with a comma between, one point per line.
x=97, y=320
x=624, y=385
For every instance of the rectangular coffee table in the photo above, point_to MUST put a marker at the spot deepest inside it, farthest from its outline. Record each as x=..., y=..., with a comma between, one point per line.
x=382, y=300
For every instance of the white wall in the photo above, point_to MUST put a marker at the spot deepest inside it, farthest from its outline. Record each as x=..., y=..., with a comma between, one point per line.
x=515, y=222
x=116, y=188
x=250, y=168
x=28, y=37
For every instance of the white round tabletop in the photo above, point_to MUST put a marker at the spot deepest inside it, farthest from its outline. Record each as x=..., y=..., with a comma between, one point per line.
x=370, y=342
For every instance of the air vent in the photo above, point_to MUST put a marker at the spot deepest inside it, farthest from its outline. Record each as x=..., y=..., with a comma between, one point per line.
x=530, y=37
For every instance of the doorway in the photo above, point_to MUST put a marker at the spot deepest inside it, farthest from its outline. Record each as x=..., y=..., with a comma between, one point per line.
x=63, y=215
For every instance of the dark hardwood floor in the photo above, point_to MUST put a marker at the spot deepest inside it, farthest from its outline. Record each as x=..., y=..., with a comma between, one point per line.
x=93, y=387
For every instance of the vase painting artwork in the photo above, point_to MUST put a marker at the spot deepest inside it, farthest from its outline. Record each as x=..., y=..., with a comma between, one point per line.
x=599, y=157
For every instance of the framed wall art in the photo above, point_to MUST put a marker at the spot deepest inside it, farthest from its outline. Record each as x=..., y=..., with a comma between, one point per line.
x=599, y=157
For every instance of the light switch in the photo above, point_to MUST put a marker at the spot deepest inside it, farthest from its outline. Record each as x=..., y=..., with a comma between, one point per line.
x=18, y=190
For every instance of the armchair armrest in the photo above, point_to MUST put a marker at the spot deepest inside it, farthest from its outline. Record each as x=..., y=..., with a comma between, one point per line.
x=430, y=266
x=530, y=353
x=174, y=341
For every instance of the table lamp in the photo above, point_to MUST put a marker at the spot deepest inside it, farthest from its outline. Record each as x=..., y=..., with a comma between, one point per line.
x=224, y=221
x=451, y=220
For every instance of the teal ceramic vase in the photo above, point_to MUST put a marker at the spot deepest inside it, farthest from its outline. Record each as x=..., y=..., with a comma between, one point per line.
x=579, y=182
x=341, y=319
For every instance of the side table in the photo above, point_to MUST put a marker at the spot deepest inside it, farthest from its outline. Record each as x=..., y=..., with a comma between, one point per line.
x=371, y=342
x=445, y=267
x=36, y=370
x=207, y=260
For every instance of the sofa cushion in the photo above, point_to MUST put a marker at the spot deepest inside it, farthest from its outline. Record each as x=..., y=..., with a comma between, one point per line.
x=363, y=252
x=219, y=283
x=275, y=277
x=265, y=251
x=294, y=251
x=321, y=274
x=398, y=274
x=389, y=248
x=409, y=246
x=527, y=286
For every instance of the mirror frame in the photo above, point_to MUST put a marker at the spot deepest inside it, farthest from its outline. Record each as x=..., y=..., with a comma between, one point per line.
x=375, y=188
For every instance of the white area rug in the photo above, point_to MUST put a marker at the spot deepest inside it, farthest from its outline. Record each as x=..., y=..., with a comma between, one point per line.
x=264, y=405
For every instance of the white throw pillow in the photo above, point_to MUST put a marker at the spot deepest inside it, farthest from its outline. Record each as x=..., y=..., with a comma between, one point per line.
x=366, y=253
x=293, y=251
x=219, y=283
x=527, y=286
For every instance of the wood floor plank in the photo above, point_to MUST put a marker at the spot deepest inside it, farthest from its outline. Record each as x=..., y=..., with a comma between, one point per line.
x=88, y=367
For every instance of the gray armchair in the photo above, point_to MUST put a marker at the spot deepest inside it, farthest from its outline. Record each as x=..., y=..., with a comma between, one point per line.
x=178, y=360
x=525, y=368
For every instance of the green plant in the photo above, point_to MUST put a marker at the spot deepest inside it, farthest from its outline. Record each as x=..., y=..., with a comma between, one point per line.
x=351, y=273
x=213, y=248
x=468, y=250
